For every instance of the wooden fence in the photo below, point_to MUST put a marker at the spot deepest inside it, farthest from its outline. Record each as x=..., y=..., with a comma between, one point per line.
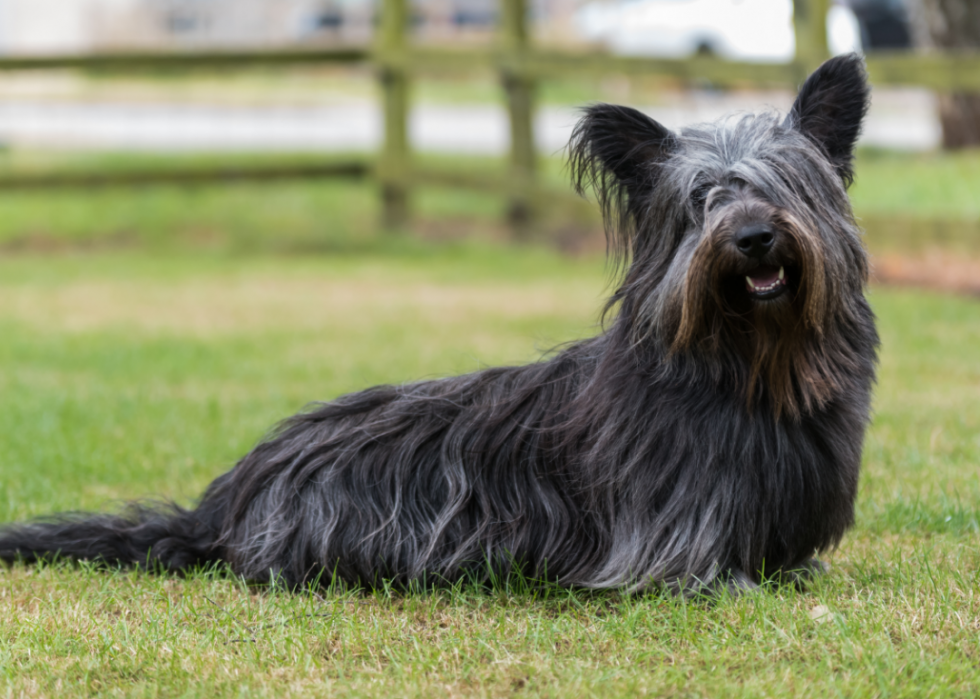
x=520, y=66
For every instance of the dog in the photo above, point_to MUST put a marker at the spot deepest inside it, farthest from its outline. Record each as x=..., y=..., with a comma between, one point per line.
x=709, y=438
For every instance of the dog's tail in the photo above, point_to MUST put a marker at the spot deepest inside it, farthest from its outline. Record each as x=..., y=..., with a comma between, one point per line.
x=147, y=535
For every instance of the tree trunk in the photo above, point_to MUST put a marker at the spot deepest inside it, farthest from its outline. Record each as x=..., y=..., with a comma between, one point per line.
x=952, y=25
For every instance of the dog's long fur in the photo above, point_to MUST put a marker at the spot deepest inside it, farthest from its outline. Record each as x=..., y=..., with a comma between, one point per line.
x=705, y=438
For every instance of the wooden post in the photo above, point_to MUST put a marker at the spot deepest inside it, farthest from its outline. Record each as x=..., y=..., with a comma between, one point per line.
x=810, y=25
x=394, y=162
x=520, y=107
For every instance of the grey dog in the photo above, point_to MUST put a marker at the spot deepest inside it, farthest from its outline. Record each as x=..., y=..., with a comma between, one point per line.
x=710, y=437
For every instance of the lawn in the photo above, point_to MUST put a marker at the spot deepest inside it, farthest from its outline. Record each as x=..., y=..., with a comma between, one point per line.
x=144, y=371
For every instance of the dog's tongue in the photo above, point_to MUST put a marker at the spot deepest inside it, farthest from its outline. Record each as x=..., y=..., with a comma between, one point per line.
x=762, y=278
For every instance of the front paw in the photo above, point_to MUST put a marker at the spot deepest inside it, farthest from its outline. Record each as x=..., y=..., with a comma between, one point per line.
x=734, y=582
x=803, y=573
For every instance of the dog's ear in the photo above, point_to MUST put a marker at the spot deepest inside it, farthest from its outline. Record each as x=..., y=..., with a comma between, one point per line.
x=830, y=108
x=616, y=150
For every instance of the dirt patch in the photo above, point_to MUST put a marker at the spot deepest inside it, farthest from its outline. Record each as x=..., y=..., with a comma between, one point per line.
x=933, y=269
x=45, y=243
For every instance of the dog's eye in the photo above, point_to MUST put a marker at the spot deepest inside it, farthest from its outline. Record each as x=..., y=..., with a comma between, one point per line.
x=700, y=195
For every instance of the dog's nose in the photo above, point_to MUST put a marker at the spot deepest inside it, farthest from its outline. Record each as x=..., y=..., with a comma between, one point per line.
x=755, y=240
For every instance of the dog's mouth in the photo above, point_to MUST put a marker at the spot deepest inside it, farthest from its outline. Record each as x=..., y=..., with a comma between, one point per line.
x=767, y=282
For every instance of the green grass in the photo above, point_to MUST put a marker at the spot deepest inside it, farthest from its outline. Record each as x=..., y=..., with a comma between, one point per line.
x=125, y=374
x=942, y=185
x=294, y=215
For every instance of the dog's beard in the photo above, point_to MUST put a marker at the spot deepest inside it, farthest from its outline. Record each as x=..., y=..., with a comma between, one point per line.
x=727, y=311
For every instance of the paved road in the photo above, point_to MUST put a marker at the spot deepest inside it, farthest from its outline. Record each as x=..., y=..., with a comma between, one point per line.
x=898, y=119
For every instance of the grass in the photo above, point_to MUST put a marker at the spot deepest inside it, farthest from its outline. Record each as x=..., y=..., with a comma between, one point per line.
x=129, y=373
x=942, y=185
x=295, y=215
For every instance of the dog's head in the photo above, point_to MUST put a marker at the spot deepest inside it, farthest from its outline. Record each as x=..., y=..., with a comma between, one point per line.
x=741, y=250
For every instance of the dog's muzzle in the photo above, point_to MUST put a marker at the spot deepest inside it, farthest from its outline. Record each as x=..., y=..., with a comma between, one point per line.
x=766, y=281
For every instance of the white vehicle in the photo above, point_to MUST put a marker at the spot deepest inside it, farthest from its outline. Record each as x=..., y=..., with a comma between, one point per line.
x=746, y=30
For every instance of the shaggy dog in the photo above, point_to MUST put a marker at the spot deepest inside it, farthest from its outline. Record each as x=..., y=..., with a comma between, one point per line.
x=710, y=437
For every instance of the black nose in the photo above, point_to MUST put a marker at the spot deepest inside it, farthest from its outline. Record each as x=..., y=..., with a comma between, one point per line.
x=755, y=240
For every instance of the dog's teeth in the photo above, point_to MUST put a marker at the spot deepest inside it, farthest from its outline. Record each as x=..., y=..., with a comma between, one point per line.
x=751, y=283
x=782, y=274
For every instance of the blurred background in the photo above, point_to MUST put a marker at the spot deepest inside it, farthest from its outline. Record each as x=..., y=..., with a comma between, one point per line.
x=455, y=110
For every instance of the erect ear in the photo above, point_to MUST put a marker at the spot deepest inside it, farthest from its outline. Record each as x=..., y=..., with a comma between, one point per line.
x=615, y=150
x=830, y=108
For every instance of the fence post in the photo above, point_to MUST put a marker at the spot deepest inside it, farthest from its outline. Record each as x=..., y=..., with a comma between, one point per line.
x=394, y=161
x=520, y=106
x=810, y=25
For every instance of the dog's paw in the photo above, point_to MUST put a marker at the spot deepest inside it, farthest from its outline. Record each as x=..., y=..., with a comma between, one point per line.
x=801, y=575
x=739, y=582
x=734, y=582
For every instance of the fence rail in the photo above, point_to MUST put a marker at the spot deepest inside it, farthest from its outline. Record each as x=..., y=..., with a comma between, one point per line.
x=520, y=67
x=959, y=71
x=285, y=168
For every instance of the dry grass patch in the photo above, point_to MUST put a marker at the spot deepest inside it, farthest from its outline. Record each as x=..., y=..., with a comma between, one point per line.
x=203, y=307
x=933, y=268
